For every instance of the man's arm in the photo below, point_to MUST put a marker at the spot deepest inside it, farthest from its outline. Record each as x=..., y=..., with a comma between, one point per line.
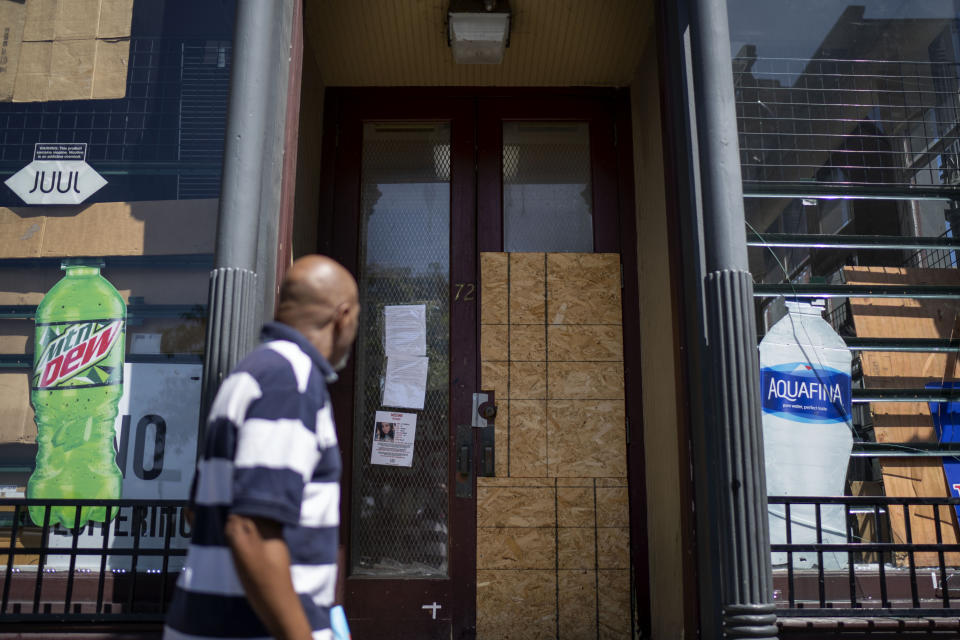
x=262, y=560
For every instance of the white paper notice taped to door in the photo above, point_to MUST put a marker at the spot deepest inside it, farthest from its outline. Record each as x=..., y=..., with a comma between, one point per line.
x=406, y=382
x=405, y=330
x=393, y=438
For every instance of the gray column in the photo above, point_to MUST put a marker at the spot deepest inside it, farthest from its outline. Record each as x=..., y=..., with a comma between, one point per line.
x=733, y=434
x=232, y=321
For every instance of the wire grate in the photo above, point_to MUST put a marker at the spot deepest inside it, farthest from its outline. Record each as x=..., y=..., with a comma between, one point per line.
x=400, y=514
x=933, y=258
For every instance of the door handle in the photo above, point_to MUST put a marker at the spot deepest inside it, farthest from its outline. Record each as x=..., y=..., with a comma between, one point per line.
x=464, y=469
x=463, y=460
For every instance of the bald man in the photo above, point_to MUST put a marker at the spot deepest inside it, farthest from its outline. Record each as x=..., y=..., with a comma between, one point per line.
x=266, y=497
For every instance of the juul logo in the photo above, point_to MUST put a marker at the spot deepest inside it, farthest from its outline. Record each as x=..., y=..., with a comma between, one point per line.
x=56, y=179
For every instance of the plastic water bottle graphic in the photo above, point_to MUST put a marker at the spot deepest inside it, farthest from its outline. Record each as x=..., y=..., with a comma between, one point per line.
x=75, y=387
x=805, y=393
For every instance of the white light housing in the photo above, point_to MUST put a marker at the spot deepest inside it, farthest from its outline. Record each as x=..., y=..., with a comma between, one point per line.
x=478, y=37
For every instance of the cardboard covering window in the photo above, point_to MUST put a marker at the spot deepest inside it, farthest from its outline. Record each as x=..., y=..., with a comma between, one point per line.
x=64, y=49
x=147, y=228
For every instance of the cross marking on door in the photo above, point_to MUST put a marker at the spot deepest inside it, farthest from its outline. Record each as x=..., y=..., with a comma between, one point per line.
x=433, y=607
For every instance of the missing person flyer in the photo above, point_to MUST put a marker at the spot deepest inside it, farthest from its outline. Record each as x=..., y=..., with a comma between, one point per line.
x=393, y=437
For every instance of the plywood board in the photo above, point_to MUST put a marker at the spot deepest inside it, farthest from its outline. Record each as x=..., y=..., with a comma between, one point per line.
x=557, y=509
x=908, y=422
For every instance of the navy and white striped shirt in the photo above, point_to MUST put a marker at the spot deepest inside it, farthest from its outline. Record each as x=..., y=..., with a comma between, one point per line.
x=270, y=452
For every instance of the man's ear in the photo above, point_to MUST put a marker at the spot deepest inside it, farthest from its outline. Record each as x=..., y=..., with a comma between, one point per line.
x=340, y=315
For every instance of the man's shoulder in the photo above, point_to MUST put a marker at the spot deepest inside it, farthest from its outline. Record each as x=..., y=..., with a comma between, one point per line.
x=282, y=364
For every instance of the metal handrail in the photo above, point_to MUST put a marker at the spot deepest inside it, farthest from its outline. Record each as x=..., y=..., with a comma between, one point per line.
x=844, y=241
x=816, y=290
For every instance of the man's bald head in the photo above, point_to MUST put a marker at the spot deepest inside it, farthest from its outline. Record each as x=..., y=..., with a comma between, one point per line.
x=318, y=297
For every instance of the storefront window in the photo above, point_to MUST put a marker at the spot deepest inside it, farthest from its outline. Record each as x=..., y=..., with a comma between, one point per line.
x=112, y=120
x=849, y=123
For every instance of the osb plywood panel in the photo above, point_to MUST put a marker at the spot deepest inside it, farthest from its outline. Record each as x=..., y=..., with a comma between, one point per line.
x=516, y=506
x=551, y=331
x=494, y=270
x=551, y=346
x=404, y=43
x=591, y=452
x=613, y=594
x=583, y=288
x=905, y=422
x=528, y=438
x=517, y=603
x=565, y=541
x=577, y=613
x=576, y=548
x=516, y=548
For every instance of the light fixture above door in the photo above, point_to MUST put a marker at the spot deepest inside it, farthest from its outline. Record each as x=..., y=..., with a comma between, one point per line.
x=478, y=31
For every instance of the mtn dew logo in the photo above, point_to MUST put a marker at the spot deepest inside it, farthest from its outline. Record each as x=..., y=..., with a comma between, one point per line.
x=77, y=354
x=798, y=391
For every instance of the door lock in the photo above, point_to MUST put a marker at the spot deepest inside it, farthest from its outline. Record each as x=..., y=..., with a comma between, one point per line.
x=486, y=412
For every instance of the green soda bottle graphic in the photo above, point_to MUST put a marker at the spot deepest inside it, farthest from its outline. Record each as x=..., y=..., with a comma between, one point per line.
x=75, y=388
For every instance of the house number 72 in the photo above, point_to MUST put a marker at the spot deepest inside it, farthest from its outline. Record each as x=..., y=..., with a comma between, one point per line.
x=464, y=292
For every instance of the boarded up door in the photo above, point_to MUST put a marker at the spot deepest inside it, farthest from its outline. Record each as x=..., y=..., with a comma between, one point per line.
x=553, y=526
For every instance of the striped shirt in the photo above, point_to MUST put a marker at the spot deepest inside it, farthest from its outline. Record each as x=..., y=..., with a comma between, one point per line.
x=270, y=452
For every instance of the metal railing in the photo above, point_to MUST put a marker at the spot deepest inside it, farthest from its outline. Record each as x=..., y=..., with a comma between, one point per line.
x=891, y=571
x=123, y=570
x=883, y=127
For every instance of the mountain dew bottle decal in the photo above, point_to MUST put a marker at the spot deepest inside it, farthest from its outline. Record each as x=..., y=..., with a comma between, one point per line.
x=75, y=388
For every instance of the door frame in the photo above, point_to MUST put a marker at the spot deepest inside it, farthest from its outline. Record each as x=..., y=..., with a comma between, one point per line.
x=353, y=112
x=612, y=172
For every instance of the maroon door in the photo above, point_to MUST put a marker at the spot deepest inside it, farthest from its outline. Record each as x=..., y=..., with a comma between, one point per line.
x=404, y=222
x=412, y=191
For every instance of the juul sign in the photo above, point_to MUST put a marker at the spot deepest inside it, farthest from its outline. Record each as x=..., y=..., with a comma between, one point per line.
x=58, y=174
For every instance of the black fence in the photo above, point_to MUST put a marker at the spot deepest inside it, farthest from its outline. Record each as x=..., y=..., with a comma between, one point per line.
x=124, y=570
x=121, y=568
x=902, y=558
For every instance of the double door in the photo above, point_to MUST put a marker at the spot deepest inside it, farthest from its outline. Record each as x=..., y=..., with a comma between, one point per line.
x=414, y=188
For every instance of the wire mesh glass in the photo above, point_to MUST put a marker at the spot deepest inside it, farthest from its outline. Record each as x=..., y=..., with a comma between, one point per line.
x=400, y=514
x=547, y=202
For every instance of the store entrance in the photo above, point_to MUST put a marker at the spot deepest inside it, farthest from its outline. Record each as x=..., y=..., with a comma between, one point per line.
x=420, y=189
